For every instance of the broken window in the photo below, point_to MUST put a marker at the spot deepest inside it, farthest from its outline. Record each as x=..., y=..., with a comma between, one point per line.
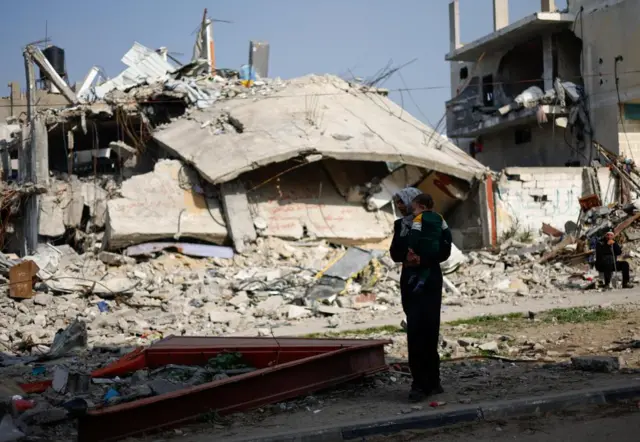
x=464, y=73
x=540, y=198
x=487, y=90
x=632, y=111
x=522, y=135
x=520, y=66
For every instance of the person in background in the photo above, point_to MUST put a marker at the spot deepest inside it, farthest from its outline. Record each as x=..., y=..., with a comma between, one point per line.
x=421, y=309
x=607, y=253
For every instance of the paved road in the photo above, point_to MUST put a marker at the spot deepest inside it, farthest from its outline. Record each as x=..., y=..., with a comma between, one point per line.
x=453, y=313
x=619, y=425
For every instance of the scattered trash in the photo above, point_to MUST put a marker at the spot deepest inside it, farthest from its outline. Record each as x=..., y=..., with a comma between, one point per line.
x=65, y=340
x=111, y=394
x=39, y=370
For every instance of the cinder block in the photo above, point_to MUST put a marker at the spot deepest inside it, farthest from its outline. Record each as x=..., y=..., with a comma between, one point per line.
x=537, y=192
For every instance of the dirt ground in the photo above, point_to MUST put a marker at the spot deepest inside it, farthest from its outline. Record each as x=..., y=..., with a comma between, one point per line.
x=538, y=350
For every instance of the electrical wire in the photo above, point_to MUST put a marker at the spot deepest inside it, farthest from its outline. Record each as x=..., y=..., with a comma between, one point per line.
x=404, y=89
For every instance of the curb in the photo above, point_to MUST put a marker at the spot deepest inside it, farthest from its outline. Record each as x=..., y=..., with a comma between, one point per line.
x=487, y=411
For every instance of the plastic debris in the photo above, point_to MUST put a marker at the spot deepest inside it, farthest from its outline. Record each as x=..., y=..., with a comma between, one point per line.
x=109, y=395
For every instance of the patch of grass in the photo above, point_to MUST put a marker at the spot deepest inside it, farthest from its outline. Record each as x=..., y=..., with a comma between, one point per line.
x=385, y=329
x=475, y=334
x=487, y=319
x=525, y=236
x=578, y=315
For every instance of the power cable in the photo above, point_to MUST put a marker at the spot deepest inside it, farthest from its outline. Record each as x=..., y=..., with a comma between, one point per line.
x=404, y=89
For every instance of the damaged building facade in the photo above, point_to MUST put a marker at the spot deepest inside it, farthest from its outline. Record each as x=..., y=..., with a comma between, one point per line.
x=538, y=91
x=166, y=152
x=542, y=95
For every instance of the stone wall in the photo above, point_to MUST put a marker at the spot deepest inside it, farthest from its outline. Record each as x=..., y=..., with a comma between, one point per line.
x=528, y=197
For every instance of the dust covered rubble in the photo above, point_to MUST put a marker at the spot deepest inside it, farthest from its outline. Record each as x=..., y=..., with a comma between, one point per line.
x=129, y=302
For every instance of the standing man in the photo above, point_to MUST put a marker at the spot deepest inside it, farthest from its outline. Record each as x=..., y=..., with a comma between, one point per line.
x=607, y=262
x=421, y=308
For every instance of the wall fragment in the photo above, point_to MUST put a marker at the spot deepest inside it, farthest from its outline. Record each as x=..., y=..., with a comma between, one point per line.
x=165, y=203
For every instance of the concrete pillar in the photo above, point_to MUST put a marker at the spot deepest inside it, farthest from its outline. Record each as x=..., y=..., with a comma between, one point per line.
x=31, y=208
x=454, y=43
x=454, y=25
x=6, y=163
x=548, y=5
x=238, y=214
x=15, y=97
x=500, y=14
x=41, y=148
x=547, y=61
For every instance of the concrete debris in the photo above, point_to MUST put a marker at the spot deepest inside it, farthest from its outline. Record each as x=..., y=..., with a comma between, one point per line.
x=173, y=198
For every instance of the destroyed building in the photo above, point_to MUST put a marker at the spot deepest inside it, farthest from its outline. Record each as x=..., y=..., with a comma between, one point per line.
x=125, y=205
x=170, y=152
x=525, y=100
x=537, y=91
x=510, y=86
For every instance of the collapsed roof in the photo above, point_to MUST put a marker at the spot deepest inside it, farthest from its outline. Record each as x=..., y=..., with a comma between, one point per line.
x=310, y=115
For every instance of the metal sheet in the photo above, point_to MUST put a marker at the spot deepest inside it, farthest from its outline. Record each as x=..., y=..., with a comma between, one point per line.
x=280, y=381
x=351, y=263
x=144, y=65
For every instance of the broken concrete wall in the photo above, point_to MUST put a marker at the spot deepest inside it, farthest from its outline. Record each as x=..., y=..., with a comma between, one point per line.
x=304, y=202
x=466, y=222
x=610, y=31
x=546, y=147
x=167, y=203
x=527, y=197
x=445, y=190
x=350, y=176
x=63, y=206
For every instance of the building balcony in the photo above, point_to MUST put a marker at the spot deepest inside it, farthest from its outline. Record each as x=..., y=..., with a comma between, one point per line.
x=506, y=38
x=465, y=122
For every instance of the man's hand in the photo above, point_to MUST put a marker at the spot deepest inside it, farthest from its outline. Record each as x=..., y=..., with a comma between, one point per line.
x=413, y=260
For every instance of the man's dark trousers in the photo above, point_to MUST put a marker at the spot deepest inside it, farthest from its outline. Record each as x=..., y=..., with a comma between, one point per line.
x=621, y=266
x=423, y=331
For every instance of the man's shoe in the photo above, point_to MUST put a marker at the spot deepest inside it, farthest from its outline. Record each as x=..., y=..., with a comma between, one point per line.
x=435, y=390
x=416, y=396
x=628, y=285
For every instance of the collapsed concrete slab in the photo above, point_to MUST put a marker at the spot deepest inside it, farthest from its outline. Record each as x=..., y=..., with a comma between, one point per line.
x=312, y=115
x=166, y=203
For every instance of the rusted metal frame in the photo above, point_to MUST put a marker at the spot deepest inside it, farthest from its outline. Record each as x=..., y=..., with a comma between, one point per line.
x=187, y=350
x=239, y=393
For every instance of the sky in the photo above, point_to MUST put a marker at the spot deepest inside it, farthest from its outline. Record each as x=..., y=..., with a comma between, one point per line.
x=342, y=37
